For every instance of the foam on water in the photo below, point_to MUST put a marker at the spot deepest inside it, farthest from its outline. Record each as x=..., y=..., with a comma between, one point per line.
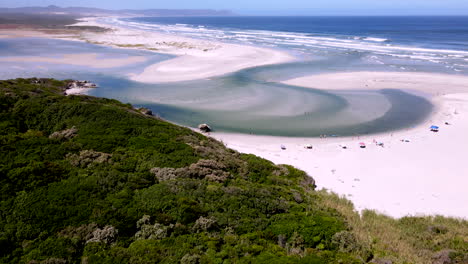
x=311, y=43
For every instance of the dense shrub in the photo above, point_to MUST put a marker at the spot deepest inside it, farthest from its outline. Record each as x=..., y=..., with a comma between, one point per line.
x=91, y=180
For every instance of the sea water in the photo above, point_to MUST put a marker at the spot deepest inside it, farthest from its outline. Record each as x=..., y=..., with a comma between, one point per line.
x=253, y=100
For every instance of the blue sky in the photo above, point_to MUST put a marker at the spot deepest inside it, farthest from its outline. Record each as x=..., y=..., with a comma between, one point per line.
x=267, y=7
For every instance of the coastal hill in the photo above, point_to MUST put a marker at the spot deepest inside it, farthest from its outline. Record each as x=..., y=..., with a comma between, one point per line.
x=93, y=180
x=87, y=11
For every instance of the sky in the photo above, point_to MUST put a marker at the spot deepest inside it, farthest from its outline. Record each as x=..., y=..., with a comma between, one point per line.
x=274, y=7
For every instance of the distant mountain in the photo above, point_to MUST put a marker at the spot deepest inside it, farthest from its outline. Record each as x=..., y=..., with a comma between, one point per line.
x=52, y=9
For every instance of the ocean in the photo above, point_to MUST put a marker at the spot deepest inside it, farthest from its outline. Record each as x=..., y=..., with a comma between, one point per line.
x=253, y=100
x=437, y=42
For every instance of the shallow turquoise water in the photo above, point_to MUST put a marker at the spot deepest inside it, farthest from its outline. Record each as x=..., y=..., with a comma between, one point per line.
x=248, y=101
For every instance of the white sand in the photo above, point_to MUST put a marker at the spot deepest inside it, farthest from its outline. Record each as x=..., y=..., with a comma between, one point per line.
x=81, y=59
x=196, y=59
x=430, y=83
x=428, y=175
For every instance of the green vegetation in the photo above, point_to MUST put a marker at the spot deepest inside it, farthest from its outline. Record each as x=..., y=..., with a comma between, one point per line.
x=91, y=180
x=45, y=22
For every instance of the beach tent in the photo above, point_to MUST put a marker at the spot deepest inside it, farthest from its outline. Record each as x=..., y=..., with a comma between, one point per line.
x=434, y=128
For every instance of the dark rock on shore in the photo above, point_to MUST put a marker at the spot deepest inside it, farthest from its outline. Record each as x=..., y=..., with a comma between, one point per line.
x=145, y=111
x=204, y=128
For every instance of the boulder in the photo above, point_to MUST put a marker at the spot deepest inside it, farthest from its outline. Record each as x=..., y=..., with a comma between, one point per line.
x=145, y=111
x=308, y=183
x=204, y=128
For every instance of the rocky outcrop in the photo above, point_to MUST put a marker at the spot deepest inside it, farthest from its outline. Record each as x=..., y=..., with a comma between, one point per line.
x=66, y=134
x=204, y=169
x=145, y=111
x=308, y=183
x=204, y=128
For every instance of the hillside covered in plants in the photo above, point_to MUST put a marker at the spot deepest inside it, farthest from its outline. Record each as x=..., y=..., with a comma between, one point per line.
x=93, y=180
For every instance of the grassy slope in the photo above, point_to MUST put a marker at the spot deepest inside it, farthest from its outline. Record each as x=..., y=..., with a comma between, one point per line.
x=94, y=199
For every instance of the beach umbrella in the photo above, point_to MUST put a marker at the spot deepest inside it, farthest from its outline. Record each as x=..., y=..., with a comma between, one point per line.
x=434, y=127
x=362, y=145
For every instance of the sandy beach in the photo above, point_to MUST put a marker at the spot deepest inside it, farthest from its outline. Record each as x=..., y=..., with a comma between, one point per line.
x=194, y=58
x=426, y=175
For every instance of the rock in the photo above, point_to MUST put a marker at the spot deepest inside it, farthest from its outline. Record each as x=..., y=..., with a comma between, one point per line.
x=297, y=197
x=65, y=134
x=204, y=128
x=145, y=111
x=309, y=183
x=443, y=257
